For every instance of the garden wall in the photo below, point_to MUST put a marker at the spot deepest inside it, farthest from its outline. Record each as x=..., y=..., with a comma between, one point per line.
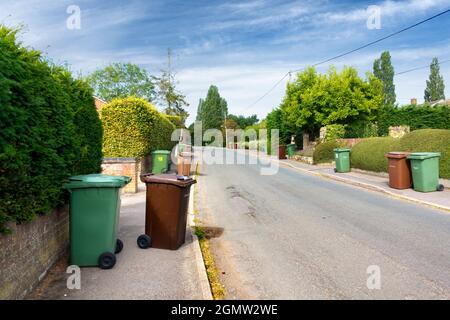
x=30, y=250
x=123, y=167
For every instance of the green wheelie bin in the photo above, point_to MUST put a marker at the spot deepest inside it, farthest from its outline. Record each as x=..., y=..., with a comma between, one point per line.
x=342, y=157
x=94, y=219
x=160, y=161
x=291, y=149
x=425, y=171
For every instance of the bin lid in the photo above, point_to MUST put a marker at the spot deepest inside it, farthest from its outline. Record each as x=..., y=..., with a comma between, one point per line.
x=423, y=155
x=96, y=181
x=396, y=155
x=167, y=179
x=161, y=152
x=342, y=150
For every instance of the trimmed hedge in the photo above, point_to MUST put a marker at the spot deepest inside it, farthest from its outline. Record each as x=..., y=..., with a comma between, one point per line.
x=430, y=140
x=324, y=152
x=49, y=130
x=415, y=116
x=134, y=128
x=369, y=153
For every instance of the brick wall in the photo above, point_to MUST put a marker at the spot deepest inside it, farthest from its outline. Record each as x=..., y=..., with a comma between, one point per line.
x=30, y=250
x=123, y=167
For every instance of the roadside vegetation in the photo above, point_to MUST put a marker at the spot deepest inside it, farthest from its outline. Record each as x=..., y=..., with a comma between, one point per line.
x=49, y=130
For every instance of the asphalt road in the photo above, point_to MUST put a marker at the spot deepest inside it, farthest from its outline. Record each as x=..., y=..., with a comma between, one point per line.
x=298, y=236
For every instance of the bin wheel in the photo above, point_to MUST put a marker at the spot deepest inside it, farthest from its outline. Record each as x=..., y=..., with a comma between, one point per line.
x=335, y=170
x=440, y=187
x=144, y=241
x=119, y=246
x=107, y=260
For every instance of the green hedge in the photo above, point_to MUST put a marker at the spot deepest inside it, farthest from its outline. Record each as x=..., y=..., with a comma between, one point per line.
x=134, y=128
x=49, y=130
x=430, y=140
x=324, y=152
x=176, y=120
x=369, y=154
x=417, y=117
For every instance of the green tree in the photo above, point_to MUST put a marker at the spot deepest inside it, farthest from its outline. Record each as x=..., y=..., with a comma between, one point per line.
x=314, y=100
x=171, y=99
x=199, y=109
x=121, y=80
x=242, y=121
x=383, y=70
x=435, y=85
x=213, y=110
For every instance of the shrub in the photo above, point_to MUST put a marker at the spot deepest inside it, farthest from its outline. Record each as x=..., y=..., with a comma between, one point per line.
x=369, y=154
x=334, y=131
x=430, y=140
x=324, y=152
x=134, y=128
x=49, y=130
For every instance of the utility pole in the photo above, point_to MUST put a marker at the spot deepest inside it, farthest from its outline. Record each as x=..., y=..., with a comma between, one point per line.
x=169, y=73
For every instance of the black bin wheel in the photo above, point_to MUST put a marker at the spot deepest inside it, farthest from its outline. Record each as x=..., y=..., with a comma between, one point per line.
x=107, y=260
x=440, y=187
x=144, y=241
x=119, y=246
x=335, y=170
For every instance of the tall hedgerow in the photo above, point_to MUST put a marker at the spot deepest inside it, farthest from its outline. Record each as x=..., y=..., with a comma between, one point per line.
x=134, y=128
x=49, y=130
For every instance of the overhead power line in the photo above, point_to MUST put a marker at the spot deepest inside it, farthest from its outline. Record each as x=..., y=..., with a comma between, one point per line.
x=352, y=51
x=422, y=67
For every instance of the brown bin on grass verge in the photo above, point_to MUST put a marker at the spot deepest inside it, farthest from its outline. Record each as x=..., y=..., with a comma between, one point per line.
x=399, y=169
x=282, y=152
x=166, y=211
x=184, y=164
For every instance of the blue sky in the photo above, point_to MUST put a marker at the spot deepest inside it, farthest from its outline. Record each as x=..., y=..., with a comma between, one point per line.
x=243, y=47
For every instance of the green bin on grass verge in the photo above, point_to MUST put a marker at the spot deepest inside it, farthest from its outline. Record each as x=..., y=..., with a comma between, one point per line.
x=425, y=171
x=291, y=149
x=94, y=219
x=160, y=161
x=342, y=158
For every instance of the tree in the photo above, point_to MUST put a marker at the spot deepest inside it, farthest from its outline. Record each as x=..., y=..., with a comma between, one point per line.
x=121, y=80
x=172, y=100
x=213, y=110
x=383, y=70
x=435, y=85
x=314, y=100
x=244, y=122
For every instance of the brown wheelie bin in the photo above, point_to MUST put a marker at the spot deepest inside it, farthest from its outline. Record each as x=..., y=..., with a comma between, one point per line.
x=184, y=164
x=399, y=169
x=282, y=152
x=166, y=211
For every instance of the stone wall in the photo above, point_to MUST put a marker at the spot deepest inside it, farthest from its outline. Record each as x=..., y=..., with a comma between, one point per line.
x=30, y=250
x=124, y=167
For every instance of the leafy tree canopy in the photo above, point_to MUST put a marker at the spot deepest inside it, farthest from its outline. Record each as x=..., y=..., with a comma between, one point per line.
x=121, y=80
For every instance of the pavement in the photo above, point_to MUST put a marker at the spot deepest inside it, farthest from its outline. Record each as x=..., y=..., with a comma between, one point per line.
x=440, y=200
x=298, y=235
x=138, y=274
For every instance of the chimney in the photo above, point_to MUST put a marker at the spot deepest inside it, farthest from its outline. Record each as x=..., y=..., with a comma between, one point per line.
x=414, y=101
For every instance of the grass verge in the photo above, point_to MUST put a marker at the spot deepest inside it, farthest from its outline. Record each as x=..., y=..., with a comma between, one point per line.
x=217, y=288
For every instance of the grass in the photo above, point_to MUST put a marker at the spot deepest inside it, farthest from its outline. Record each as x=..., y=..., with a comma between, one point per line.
x=217, y=288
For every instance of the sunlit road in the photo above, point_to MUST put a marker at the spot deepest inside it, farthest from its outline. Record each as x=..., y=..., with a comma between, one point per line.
x=297, y=236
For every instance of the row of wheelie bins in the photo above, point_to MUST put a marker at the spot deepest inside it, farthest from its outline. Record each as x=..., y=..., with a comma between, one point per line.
x=95, y=210
x=419, y=170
